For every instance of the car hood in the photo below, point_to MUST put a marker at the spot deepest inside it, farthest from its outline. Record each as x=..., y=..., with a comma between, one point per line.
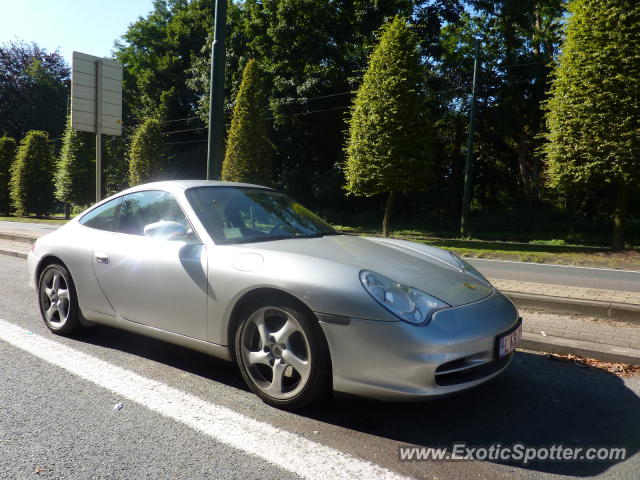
x=429, y=269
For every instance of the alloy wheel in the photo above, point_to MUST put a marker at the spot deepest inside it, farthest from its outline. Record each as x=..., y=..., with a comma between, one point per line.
x=275, y=350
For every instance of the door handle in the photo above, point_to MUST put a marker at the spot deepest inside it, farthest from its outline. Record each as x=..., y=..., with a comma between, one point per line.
x=102, y=257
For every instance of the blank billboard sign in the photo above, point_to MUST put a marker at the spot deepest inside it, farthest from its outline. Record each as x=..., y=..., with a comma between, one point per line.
x=84, y=94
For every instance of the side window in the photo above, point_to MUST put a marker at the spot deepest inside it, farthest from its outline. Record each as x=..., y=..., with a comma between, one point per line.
x=142, y=208
x=102, y=218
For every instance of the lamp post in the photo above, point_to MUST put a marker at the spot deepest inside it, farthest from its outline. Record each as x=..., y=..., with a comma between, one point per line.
x=466, y=198
x=215, y=148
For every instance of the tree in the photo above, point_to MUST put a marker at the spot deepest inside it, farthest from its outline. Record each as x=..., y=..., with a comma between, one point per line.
x=116, y=163
x=249, y=152
x=147, y=154
x=157, y=51
x=34, y=86
x=7, y=155
x=75, y=179
x=388, y=145
x=31, y=188
x=313, y=55
x=593, y=113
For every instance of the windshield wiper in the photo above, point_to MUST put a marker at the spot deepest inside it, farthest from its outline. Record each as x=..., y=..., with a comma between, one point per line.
x=317, y=235
x=264, y=239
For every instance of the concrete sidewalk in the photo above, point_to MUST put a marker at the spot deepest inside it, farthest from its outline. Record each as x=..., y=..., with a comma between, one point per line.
x=601, y=324
x=603, y=339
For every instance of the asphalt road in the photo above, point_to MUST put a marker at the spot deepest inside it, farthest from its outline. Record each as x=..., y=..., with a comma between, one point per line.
x=62, y=425
x=628, y=281
x=28, y=226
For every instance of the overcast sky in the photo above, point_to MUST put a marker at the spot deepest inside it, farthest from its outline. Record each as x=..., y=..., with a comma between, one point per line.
x=88, y=26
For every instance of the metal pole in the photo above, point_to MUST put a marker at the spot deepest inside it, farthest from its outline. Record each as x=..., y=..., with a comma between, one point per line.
x=215, y=150
x=466, y=199
x=98, y=131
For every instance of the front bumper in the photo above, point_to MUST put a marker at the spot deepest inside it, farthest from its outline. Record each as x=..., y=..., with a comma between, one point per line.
x=399, y=361
x=32, y=264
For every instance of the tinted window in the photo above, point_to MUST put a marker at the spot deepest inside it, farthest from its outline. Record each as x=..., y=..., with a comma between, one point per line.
x=142, y=208
x=102, y=217
x=242, y=215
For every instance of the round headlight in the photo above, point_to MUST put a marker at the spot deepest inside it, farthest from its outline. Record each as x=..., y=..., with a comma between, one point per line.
x=406, y=303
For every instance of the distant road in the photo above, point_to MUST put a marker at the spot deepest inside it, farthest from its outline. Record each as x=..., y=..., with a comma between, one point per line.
x=560, y=275
x=29, y=227
x=526, y=272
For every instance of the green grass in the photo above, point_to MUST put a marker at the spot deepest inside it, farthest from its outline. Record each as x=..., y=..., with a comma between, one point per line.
x=537, y=251
x=34, y=220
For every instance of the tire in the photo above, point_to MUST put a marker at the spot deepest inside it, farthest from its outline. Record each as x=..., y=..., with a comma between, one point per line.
x=279, y=341
x=58, y=300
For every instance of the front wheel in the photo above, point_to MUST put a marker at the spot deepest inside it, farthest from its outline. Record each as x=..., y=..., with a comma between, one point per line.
x=57, y=299
x=283, y=355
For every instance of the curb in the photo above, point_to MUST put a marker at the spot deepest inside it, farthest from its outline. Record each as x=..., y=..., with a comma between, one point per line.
x=15, y=237
x=565, y=346
x=13, y=253
x=611, y=310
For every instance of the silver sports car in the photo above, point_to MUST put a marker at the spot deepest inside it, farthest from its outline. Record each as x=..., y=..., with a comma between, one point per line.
x=246, y=274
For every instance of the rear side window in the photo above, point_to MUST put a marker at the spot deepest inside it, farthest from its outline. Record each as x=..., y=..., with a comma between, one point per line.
x=103, y=217
x=142, y=208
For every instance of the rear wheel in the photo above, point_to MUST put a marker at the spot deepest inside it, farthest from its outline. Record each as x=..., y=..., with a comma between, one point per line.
x=283, y=355
x=57, y=299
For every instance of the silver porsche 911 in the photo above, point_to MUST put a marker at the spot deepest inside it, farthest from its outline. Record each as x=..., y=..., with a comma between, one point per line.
x=246, y=274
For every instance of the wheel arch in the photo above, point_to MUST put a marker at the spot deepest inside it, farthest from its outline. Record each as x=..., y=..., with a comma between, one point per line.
x=44, y=262
x=254, y=297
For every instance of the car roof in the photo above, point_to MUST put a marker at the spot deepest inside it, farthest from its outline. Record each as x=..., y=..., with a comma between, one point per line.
x=181, y=185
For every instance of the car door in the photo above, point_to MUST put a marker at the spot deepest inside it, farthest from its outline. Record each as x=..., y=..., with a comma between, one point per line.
x=156, y=282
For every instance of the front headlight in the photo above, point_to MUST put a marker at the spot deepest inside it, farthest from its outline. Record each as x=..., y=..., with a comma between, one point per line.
x=406, y=303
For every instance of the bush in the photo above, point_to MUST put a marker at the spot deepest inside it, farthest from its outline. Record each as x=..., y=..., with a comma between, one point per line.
x=75, y=179
x=7, y=155
x=31, y=188
x=147, y=153
x=249, y=153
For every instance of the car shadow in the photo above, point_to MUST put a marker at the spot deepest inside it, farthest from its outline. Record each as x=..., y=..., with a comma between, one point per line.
x=158, y=351
x=536, y=402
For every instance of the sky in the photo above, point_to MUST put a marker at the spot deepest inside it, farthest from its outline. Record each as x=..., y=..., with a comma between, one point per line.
x=87, y=26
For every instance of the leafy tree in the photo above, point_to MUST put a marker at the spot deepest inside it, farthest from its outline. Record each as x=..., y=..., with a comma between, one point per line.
x=116, y=163
x=388, y=145
x=75, y=179
x=34, y=86
x=31, y=188
x=313, y=55
x=157, y=51
x=147, y=154
x=249, y=152
x=7, y=155
x=593, y=116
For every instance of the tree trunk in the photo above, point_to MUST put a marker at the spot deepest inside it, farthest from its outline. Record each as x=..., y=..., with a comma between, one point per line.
x=457, y=166
x=387, y=214
x=523, y=164
x=620, y=217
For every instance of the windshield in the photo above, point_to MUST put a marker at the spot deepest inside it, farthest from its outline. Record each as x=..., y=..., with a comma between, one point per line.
x=245, y=214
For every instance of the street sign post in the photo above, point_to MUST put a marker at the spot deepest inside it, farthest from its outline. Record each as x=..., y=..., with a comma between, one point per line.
x=96, y=101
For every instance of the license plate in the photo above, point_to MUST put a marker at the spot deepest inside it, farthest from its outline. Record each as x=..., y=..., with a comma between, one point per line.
x=508, y=342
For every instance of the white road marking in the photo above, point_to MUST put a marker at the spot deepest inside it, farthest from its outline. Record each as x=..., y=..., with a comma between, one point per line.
x=284, y=449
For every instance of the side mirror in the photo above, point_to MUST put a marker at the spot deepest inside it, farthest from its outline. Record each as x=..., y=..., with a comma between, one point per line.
x=166, y=230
